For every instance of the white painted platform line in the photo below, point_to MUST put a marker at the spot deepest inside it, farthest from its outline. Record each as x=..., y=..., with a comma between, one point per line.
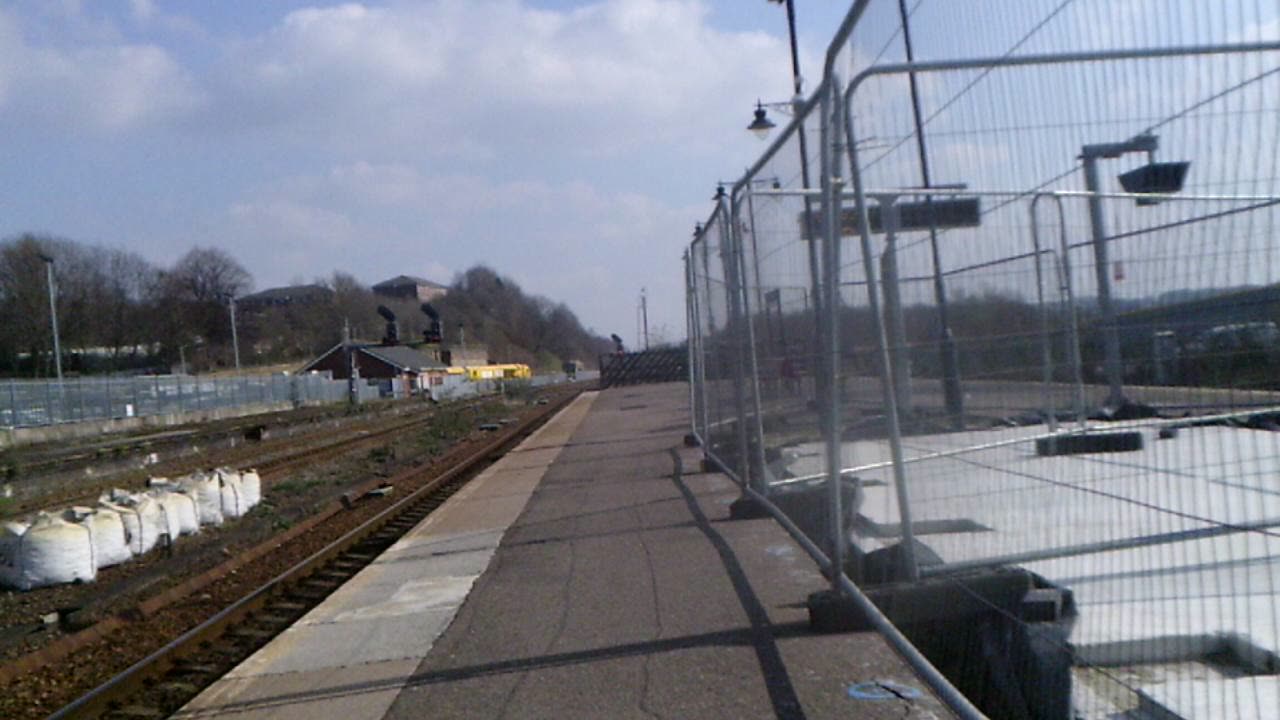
x=348, y=658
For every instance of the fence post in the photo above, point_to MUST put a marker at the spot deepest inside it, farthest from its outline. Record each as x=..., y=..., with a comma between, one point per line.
x=1046, y=349
x=1073, y=328
x=710, y=332
x=749, y=343
x=830, y=369
x=110, y=414
x=159, y=403
x=909, y=568
x=699, y=346
x=899, y=357
x=734, y=329
x=689, y=344
x=13, y=402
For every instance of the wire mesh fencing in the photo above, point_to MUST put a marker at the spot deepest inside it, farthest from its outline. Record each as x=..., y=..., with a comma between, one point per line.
x=995, y=323
x=32, y=403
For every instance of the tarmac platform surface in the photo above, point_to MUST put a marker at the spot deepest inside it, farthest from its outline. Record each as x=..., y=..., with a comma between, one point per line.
x=590, y=573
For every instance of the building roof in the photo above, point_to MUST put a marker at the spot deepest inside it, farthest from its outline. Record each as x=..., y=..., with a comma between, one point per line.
x=286, y=295
x=401, y=280
x=402, y=357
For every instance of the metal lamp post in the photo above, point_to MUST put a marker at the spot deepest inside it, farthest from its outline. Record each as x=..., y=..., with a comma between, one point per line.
x=1153, y=181
x=950, y=365
x=761, y=126
x=235, y=338
x=53, y=314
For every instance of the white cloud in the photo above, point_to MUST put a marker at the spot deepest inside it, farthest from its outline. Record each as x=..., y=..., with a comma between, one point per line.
x=294, y=224
x=143, y=10
x=570, y=242
x=497, y=76
x=101, y=87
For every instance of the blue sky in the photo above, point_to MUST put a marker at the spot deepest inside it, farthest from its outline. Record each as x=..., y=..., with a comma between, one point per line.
x=571, y=145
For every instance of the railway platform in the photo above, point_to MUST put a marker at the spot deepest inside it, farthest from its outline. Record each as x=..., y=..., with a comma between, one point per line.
x=592, y=572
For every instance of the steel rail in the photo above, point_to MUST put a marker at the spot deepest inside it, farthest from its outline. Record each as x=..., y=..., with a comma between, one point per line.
x=101, y=698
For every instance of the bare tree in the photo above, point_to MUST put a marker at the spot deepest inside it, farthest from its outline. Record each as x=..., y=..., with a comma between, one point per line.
x=208, y=275
x=24, y=300
x=118, y=289
x=100, y=296
x=192, y=298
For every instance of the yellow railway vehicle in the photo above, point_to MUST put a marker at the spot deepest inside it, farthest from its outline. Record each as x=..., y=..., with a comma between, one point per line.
x=507, y=371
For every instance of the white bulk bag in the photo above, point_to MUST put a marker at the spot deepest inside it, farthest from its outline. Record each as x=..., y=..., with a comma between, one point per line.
x=110, y=540
x=54, y=551
x=10, y=548
x=144, y=522
x=204, y=488
x=168, y=515
x=252, y=484
x=233, y=504
x=181, y=514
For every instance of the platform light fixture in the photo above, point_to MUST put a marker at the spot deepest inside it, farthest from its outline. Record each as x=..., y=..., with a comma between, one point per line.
x=761, y=125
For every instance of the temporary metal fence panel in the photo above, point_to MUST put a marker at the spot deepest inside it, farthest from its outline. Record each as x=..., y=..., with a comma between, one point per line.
x=1136, y=538
x=1030, y=363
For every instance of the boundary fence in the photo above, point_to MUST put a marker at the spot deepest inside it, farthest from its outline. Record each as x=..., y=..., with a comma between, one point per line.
x=33, y=403
x=1027, y=417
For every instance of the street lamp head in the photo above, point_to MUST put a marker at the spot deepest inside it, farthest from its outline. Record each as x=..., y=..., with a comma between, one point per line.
x=761, y=125
x=45, y=258
x=1163, y=178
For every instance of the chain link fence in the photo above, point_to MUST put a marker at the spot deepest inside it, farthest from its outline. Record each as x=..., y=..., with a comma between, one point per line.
x=994, y=327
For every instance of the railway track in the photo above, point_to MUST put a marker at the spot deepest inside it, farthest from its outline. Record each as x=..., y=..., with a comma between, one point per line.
x=270, y=463
x=162, y=682
x=35, y=461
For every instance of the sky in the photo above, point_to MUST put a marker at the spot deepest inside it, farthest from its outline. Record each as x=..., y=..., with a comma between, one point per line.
x=571, y=145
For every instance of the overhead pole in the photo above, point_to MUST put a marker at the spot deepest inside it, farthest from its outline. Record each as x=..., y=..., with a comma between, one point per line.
x=952, y=393
x=644, y=316
x=53, y=314
x=235, y=337
x=797, y=99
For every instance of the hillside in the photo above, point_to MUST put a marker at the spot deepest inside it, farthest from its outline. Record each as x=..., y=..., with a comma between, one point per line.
x=483, y=307
x=120, y=313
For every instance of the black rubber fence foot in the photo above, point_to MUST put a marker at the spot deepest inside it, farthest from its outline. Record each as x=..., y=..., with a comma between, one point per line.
x=747, y=508
x=1089, y=443
x=832, y=612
